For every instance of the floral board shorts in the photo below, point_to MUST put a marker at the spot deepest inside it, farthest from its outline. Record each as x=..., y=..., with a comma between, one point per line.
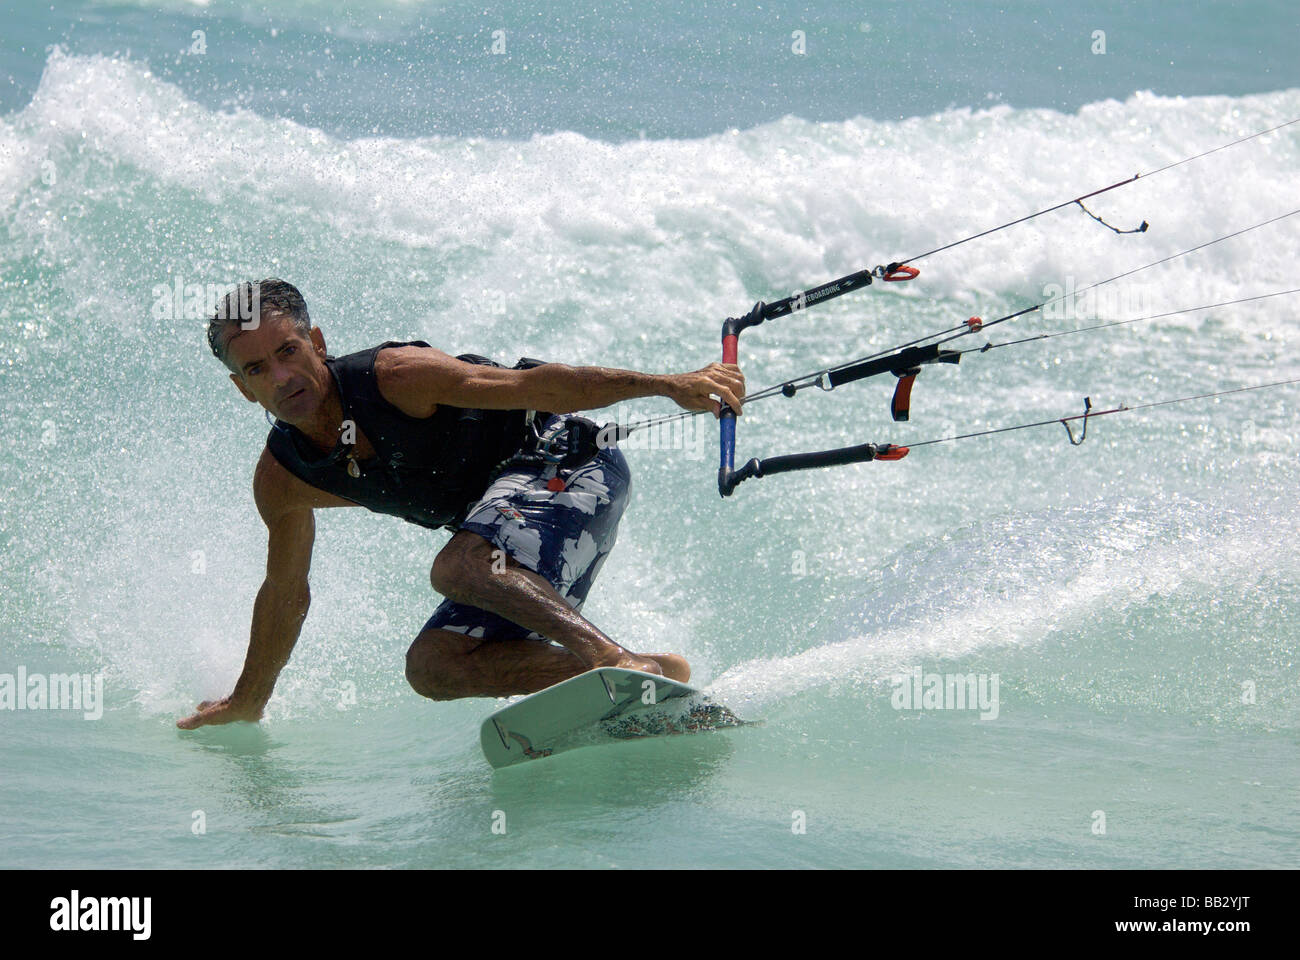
x=562, y=535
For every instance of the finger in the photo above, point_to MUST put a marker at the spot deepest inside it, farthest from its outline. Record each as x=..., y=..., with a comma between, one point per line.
x=728, y=371
x=189, y=723
x=731, y=400
x=727, y=404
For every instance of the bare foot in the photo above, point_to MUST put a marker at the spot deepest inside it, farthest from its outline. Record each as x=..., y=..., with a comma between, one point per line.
x=674, y=667
x=630, y=661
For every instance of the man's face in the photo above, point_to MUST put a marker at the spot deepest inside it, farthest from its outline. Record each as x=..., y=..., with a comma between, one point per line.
x=280, y=368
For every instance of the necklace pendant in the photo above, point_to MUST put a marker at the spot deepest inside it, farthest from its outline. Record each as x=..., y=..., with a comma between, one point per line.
x=353, y=469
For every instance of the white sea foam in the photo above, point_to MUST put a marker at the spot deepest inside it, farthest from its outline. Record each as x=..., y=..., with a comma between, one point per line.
x=686, y=223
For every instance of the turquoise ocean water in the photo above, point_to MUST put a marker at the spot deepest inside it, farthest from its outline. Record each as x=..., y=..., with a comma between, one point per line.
x=605, y=189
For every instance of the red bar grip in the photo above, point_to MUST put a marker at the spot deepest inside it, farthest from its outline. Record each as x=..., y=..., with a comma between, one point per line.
x=729, y=348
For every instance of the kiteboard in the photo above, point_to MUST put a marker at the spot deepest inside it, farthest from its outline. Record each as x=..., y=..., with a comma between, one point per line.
x=600, y=706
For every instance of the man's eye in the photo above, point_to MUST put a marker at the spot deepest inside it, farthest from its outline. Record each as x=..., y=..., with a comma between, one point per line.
x=254, y=371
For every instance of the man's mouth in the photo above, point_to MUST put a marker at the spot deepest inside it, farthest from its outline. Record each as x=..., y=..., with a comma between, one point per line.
x=294, y=394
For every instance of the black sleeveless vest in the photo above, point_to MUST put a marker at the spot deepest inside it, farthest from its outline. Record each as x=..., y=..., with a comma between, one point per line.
x=426, y=471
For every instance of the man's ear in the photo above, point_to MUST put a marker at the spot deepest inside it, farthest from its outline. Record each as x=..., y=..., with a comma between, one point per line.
x=238, y=381
x=318, y=341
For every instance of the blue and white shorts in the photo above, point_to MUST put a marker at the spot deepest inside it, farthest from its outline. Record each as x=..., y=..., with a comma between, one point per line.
x=563, y=535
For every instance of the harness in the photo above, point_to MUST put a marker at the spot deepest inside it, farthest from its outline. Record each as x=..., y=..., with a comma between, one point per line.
x=562, y=446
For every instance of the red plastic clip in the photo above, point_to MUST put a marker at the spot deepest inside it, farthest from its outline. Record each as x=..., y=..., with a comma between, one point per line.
x=901, y=272
x=887, y=451
x=975, y=323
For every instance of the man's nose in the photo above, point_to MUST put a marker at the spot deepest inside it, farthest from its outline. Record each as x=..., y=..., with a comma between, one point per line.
x=281, y=374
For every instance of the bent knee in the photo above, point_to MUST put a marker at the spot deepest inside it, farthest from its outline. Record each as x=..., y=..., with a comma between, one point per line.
x=445, y=575
x=431, y=667
x=455, y=567
x=427, y=685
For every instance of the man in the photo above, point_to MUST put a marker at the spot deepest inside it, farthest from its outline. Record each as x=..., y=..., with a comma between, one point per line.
x=407, y=430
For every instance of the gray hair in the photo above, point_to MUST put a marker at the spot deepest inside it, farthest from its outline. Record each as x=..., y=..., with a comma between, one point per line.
x=272, y=297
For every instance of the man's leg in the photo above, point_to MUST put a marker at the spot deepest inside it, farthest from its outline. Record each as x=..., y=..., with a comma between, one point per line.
x=517, y=574
x=469, y=570
x=446, y=665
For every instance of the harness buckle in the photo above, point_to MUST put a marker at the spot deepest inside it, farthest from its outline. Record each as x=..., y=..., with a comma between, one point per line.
x=569, y=443
x=543, y=445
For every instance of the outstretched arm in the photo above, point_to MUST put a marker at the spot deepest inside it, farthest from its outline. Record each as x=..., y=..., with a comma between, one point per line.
x=417, y=379
x=281, y=605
